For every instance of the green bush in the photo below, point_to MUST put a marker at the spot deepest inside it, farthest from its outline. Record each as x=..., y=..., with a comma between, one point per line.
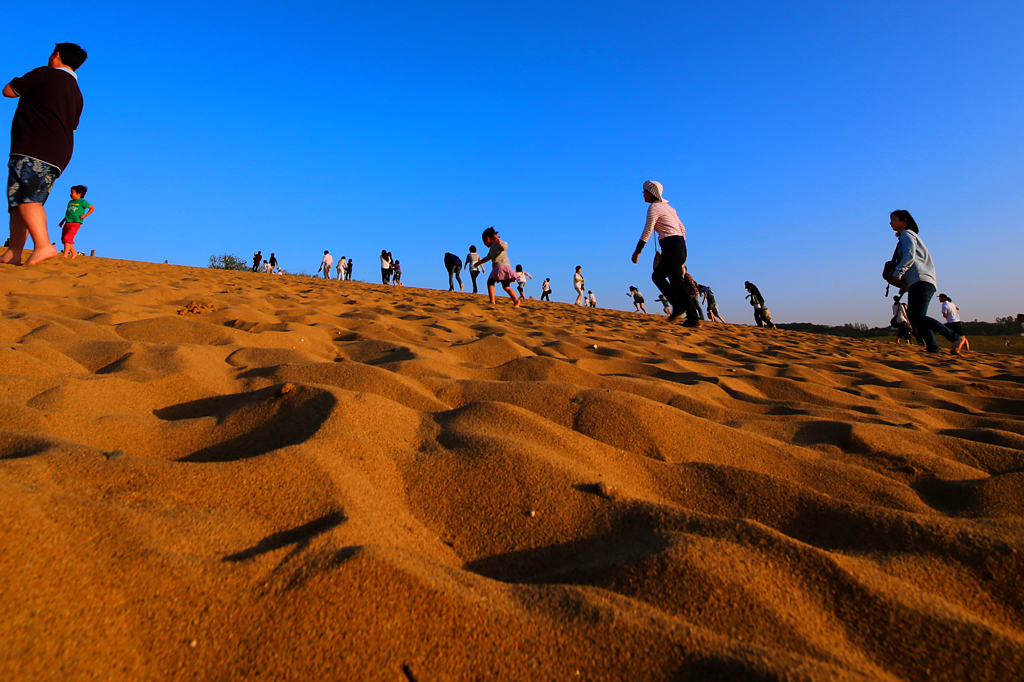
x=229, y=262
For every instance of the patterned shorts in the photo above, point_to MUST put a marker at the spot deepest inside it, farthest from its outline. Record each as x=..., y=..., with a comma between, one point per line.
x=29, y=181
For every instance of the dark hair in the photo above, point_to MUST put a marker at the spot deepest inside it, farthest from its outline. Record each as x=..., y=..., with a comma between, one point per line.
x=945, y=297
x=383, y=252
x=72, y=55
x=908, y=219
x=519, y=268
x=896, y=298
x=578, y=268
x=472, y=249
x=1020, y=315
x=490, y=233
x=80, y=190
x=325, y=250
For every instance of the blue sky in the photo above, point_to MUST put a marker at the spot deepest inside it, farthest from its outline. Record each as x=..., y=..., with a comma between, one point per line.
x=784, y=134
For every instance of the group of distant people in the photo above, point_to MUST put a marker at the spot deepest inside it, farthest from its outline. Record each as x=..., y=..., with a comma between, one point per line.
x=42, y=142
x=269, y=265
x=905, y=330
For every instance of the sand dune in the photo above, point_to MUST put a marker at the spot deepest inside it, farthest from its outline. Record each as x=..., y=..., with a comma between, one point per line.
x=213, y=475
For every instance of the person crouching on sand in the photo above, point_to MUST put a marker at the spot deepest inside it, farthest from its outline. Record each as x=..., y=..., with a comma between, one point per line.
x=668, y=275
x=501, y=268
x=915, y=271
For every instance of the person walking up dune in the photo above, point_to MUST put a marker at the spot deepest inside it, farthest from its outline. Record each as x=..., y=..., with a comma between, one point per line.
x=521, y=276
x=545, y=290
x=325, y=264
x=668, y=274
x=951, y=313
x=577, y=284
x=42, y=143
x=385, y=267
x=914, y=272
x=901, y=322
x=473, y=263
x=709, y=299
x=638, y=299
x=501, y=270
x=453, y=265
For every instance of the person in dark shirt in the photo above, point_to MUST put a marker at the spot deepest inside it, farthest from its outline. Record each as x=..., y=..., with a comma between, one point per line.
x=42, y=142
x=761, y=317
x=453, y=264
x=709, y=299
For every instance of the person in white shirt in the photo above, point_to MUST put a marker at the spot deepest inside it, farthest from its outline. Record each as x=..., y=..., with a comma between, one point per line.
x=668, y=274
x=952, y=314
x=472, y=258
x=545, y=290
x=521, y=276
x=385, y=267
x=342, y=267
x=902, y=321
x=325, y=264
x=577, y=284
x=591, y=300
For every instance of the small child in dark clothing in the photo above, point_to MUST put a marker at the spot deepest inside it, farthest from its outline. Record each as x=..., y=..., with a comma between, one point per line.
x=78, y=210
x=396, y=274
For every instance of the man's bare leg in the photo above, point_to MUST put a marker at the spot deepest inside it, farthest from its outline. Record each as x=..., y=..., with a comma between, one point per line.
x=18, y=235
x=33, y=220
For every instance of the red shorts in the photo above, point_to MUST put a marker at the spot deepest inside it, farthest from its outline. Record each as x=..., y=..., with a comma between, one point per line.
x=67, y=236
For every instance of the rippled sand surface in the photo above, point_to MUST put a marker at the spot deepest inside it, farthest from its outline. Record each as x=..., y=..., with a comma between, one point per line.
x=212, y=475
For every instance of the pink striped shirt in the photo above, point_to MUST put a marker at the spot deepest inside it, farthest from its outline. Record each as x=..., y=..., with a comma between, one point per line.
x=662, y=218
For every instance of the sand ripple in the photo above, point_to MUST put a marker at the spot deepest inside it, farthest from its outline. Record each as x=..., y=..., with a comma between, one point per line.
x=212, y=475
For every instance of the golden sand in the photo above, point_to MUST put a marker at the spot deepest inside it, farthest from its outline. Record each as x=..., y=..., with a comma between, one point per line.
x=215, y=475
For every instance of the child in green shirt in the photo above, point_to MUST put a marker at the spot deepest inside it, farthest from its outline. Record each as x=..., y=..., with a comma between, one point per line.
x=78, y=210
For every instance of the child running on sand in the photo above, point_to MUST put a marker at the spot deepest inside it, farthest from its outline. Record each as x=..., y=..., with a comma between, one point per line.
x=545, y=290
x=73, y=219
x=665, y=304
x=501, y=270
x=396, y=278
x=521, y=276
x=638, y=299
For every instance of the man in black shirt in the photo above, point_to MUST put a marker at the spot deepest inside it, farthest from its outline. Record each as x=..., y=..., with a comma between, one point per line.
x=42, y=141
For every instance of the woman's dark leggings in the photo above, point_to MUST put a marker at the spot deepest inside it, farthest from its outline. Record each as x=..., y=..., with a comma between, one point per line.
x=668, y=276
x=918, y=297
x=474, y=274
x=454, y=270
x=385, y=275
x=546, y=296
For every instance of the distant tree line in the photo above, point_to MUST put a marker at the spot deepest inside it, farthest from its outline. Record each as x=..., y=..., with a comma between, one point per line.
x=1003, y=326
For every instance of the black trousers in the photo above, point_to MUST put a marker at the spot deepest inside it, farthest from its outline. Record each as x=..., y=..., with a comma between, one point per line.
x=668, y=276
x=474, y=274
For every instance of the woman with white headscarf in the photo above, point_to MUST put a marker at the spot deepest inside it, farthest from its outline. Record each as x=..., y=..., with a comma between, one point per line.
x=668, y=274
